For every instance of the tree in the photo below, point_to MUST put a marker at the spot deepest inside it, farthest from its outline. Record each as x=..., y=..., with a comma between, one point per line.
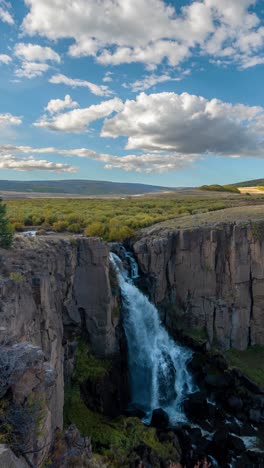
x=6, y=233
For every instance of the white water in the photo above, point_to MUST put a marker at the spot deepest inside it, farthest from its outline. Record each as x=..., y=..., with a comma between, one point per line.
x=158, y=366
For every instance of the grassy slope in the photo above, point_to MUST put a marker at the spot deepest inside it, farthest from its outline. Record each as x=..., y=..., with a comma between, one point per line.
x=250, y=183
x=250, y=362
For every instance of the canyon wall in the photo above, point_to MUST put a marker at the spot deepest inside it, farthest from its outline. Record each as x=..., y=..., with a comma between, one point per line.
x=52, y=290
x=208, y=279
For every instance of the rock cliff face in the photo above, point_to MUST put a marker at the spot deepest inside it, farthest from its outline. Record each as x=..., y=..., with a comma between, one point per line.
x=51, y=290
x=209, y=278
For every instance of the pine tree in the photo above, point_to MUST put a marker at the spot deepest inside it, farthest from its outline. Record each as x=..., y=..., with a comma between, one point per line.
x=6, y=233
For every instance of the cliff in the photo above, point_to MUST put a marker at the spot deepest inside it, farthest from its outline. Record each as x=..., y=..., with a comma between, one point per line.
x=207, y=277
x=52, y=290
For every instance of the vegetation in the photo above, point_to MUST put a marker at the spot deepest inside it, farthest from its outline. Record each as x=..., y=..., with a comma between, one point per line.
x=250, y=362
x=16, y=276
x=6, y=232
x=250, y=183
x=78, y=187
x=111, y=219
x=87, y=366
x=220, y=188
x=115, y=439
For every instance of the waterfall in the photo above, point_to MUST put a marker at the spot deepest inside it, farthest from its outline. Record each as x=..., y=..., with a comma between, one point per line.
x=157, y=365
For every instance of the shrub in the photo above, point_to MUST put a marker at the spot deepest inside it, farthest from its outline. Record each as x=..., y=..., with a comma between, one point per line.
x=16, y=276
x=6, y=232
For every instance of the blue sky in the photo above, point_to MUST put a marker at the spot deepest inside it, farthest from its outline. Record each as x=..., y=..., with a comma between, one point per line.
x=166, y=93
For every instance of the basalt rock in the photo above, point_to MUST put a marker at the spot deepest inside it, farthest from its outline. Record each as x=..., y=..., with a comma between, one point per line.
x=208, y=279
x=53, y=290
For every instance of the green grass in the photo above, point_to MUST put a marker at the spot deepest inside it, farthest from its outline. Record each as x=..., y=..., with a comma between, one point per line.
x=116, y=439
x=113, y=219
x=250, y=362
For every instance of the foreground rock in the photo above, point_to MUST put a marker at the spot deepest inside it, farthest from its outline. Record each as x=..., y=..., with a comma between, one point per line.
x=52, y=291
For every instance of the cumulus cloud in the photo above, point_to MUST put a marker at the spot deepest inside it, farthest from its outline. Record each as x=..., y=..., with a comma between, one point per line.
x=4, y=58
x=7, y=120
x=57, y=105
x=36, y=53
x=150, y=31
x=10, y=161
x=78, y=119
x=34, y=59
x=188, y=124
x=98, y=90
x=31, y=69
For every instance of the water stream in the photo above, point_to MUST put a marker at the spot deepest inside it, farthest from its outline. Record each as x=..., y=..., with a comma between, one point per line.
x=159, y=377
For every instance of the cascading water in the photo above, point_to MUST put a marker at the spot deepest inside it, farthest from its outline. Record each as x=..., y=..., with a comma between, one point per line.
x=158, y=366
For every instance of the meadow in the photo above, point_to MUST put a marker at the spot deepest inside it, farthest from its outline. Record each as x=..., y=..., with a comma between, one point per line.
x=111, y=219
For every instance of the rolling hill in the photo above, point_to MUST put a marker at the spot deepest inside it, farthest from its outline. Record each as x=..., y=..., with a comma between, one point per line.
x=79, y=187
x=250, y=183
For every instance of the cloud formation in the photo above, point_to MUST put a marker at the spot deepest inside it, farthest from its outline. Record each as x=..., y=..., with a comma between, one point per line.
x=98, y=90
x=149, y=81
x=188, y=125
x=148, y=162
x=34, y=59
x=57, y=105
x=4, y=58
x=7, y=120
x=5, y=15
x=149, y=31
x=78, y=119
x=10, y=161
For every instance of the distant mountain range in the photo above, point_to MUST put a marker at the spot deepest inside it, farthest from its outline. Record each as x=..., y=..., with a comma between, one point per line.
x=250, y=183
x=80, y=187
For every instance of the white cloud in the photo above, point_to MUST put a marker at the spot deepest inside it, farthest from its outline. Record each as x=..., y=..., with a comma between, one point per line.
x=5, y=15
x=4, y=58
x=108, y=77
x=9, y=119
x=150, y=162
x=34, y=59
x=31, y=69
x=188, y=124
x=78, y=119
x=9, y=161
x=149, y=81
x=150, y=31
x=98, y=90
x=57, y=105
x=36, y=53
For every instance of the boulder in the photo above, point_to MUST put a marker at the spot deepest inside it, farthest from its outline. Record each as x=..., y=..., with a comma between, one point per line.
x=160, y=419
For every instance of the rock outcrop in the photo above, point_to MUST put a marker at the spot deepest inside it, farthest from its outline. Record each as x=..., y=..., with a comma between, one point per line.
x=52, y=290
x=209, y=278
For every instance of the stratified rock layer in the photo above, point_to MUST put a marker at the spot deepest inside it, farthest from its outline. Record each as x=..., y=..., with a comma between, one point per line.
x=209, y=278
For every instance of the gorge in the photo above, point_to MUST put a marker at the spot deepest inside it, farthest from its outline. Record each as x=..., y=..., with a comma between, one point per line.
x=64, y=325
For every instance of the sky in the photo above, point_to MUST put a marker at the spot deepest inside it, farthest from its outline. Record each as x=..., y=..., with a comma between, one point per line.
x=159, y=92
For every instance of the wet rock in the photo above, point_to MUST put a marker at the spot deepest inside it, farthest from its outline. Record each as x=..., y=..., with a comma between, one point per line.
x=219, y=380
x=160, y=419
x=236, y=444
x=255, y=415
x=197, y=408
x=235, y=403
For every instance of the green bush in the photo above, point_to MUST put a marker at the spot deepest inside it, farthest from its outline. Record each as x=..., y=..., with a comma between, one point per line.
x=6, y=231
x=87, y=366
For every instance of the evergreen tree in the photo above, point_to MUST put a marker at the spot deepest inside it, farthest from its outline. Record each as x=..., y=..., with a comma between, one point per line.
x=6, y=233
